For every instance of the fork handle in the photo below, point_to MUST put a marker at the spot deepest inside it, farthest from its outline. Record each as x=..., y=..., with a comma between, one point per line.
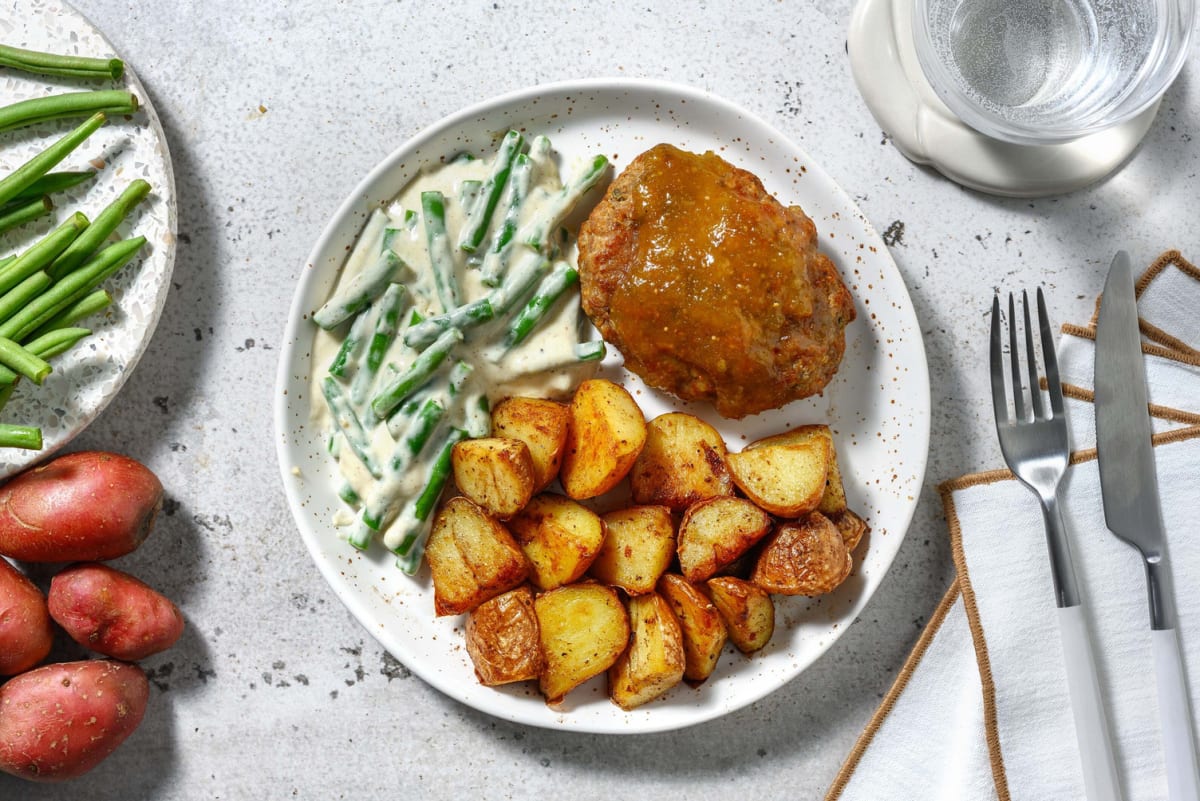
x=1175, y=714
x=1100, y=780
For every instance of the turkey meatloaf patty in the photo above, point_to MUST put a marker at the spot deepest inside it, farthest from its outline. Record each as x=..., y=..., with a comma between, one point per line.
x=710, y=288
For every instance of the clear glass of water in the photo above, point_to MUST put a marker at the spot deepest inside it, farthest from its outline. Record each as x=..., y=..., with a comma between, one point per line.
x=1046, y=71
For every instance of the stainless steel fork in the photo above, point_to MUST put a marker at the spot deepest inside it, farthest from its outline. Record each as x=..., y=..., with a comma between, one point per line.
x=1035, y=446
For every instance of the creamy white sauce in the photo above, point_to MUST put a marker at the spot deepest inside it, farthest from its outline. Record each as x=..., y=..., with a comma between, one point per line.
x=543, y=365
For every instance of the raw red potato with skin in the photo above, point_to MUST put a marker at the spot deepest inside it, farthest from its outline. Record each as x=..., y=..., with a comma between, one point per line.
x=82, y=507
x=60, y=721
x=25, y=630
x=113, y=613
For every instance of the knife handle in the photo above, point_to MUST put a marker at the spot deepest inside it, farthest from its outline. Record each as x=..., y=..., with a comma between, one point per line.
x=1175, y=714
x=1100, y=779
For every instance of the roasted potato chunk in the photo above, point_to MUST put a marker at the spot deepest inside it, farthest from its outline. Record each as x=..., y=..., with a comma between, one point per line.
x=833, y=500
x=472, y=557
x=703, y=629
x=542, y=426
x=747, y=611
x=584, y=628
x=786, y=479
x=605, y=433
x=639, y=543
x=853, y=528
x=494, y=472
x=654, y=661
x=503, y=639
x=803, y=557
x=682, y=462
x=715, y=532
x=560, y=538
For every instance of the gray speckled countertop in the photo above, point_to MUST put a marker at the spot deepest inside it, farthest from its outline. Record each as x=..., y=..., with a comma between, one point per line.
x=274, y=110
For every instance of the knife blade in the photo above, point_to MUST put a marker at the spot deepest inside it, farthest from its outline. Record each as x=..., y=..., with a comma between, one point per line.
x=1129, y=488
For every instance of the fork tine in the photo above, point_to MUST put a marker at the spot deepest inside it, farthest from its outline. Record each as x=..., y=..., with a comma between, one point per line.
x=1035, y=389
x=1052, y=380
x=999, y=398
x=1015, y=355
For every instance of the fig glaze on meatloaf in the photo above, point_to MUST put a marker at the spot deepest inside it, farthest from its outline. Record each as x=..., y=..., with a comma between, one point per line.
x=710, y=288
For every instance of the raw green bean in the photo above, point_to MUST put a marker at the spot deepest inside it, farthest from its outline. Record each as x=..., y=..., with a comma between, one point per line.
x=84, y=307
x=536, y=232
x=480, y=216
x=417, y=374
x=14, y=299
x=52, y=343
x=71, y=288
x=551, y=289
x=20, y=178
x=53, y=182
x=26, y=437
x=42, y=253
x=24, y=212
x=105, y=223
x=441, y=262
x=349, y=424
x=64, y=66
x=70, y=104
x=16, y=358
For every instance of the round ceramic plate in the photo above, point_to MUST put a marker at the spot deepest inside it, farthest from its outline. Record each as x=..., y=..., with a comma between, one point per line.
x=87, y=377
x=878, y=405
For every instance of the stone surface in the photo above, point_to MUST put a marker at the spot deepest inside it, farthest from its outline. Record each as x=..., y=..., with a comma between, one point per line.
x=273, y=111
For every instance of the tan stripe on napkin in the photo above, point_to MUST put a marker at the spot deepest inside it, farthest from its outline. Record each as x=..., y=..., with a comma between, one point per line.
x=1173, y=347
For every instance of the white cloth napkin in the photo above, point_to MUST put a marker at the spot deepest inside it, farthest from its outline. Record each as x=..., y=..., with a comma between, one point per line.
x=981, y=708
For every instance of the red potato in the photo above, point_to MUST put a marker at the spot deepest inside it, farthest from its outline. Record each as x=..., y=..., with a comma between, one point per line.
x=60, y=721
x=113, y=613
x=26, y=633
x=82, y=507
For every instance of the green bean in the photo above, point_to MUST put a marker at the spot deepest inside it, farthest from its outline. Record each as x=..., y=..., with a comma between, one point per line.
x=16, y=358
x=348, y=494
x=417, y=374
x=363, y=288
x=64, y=66
x=26, y=437
x=468, y=193
x=53, y=182
x=84, y=307
x=349, y=424
x=347, y=357
x=21, y=294
x=380, y=507
x=441, y=262
x=418, y=512
x=70, y=289
x=551, y=289
x=52, y=343
x=24, y=212
x=42, y=253
x=518, y=281
x=497, y=259
x=105, y=223
x=480, y=216
x=69, y=104
x=463, y=317
x=386, y=321
x=592, y=351
x=536, y=232
x=20, y=178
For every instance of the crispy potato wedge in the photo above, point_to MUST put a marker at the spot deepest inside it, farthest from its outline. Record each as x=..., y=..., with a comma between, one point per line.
x=803, y=557
x=704, y=632
x=472, y=557
x=605, y=433
x=833, y=501
x=495, y=472
x=715, y=532
x=560, y=538
x=639, y=543
x=786, y=479
x=503, y=639
x=747, y=611
x=682, y=462
x=584, y=628
x=542, y=426
x=853, y=528
x=654, y=661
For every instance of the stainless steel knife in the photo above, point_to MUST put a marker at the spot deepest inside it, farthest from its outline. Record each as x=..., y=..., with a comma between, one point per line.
x=1129, y=487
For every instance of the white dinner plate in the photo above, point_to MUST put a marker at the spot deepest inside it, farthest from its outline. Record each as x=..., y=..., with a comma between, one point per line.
x=88, y=376
x=878, y=404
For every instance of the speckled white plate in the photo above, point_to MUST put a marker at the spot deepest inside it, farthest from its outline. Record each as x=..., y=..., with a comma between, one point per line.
x=878, y=405
x=87, y=377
